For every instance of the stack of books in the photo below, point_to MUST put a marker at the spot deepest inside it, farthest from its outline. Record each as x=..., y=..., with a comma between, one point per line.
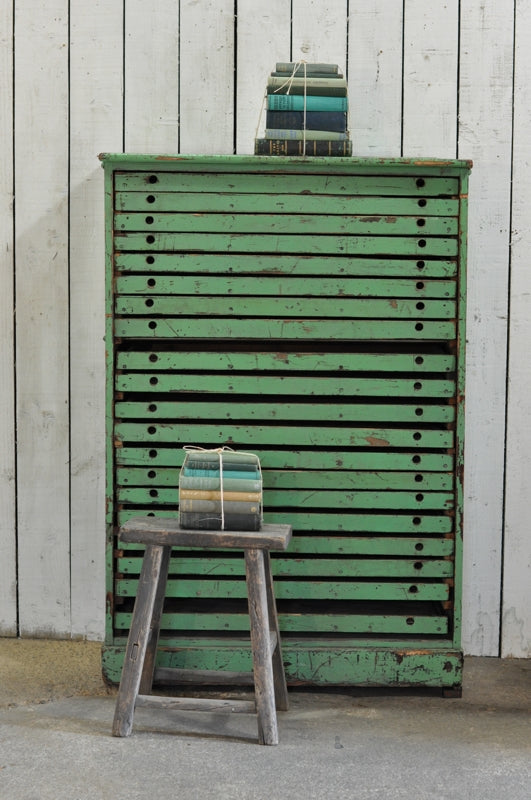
x=306, y=112
x=220, y=490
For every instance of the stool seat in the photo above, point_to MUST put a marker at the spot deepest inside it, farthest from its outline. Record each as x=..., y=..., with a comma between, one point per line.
x=159, y=535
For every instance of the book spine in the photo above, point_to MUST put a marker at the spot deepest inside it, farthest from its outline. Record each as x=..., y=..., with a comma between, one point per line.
x=309, y=74
x=214, y=507
x=226, y=458
x=313, y=120
x=231, y=474
x=293, y=147
x=295, y=102
x=290, y=133
x=212, y=495
x=204, y=463
x=333, y=87
x=239, y=522
x=289, y=66
x=214, y=484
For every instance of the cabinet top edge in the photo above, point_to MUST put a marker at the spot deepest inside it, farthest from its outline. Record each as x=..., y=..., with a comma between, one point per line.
x=280, y=163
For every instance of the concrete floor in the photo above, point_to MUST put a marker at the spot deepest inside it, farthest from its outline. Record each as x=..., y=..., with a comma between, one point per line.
x=55, y=743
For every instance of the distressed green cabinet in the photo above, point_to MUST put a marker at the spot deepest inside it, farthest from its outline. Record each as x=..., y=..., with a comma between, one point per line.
x=310, y=310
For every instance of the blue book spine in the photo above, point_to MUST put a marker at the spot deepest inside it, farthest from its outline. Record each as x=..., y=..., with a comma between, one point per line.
x=314, y=121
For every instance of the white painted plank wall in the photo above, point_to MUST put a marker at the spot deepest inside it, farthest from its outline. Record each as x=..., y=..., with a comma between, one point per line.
x=42, y=310
x=190, y=77
x=151, y=70
x=95, y=125
x=485, y=125
x=375, y=61
x=516, y=622
x=8, y=555
x=430, y=78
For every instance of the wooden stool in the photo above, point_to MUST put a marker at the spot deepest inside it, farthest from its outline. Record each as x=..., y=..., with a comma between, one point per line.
x=159, y=535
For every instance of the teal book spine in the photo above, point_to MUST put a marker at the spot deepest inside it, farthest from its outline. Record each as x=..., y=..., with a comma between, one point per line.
x=314, y=102
x=247, y=475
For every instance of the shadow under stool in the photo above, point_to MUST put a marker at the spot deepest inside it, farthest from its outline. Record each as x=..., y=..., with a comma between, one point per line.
x=159, y=535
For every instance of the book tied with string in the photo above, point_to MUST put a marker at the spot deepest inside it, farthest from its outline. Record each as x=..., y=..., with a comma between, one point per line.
x=220, y=490
x=306, y=111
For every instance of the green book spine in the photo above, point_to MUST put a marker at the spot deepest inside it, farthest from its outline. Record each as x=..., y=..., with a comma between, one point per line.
x=205, y=460
x=295, y=102
x=289, y=66
x=333, y=87
x=294, y=147
x=214, y=484
x=309, y=74
x=292, y=133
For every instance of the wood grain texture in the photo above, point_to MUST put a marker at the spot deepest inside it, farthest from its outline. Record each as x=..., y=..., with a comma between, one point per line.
x=375, y=77
x=319, y=31
x=8, y=566
x=207, y=76
x=42, y=354
x=485, y=113
x=516, y=620
x=95, y=49
x=430, y=77
x=151, y=76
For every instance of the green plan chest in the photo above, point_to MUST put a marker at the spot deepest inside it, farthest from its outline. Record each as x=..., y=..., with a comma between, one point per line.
x=312, y=311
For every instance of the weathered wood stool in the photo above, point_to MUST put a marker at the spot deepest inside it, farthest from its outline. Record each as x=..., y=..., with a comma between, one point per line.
x=159, y=535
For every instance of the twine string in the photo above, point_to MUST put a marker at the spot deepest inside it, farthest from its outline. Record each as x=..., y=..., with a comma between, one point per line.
x=289, y=83
x=220, y=450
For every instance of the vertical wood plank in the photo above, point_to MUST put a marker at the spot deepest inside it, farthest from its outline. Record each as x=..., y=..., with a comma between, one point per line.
x=95, y=126
x=263, y=38
x=516, y=617
x=152, y=77
x=319, y=31
x=430, y=78
x=41, y=192
x=8, y=567
x=207, y=77
x=486, y=57
x=375, y=77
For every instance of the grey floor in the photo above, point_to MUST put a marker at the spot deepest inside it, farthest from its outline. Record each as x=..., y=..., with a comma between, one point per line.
x=341, y=743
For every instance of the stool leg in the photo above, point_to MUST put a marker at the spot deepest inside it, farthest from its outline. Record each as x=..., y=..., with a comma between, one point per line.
x=279, y=676
x=261, y=647
x=148, y=671
x=137, y=641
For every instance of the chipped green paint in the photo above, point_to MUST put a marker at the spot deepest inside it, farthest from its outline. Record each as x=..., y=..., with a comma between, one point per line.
x=311, y=310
